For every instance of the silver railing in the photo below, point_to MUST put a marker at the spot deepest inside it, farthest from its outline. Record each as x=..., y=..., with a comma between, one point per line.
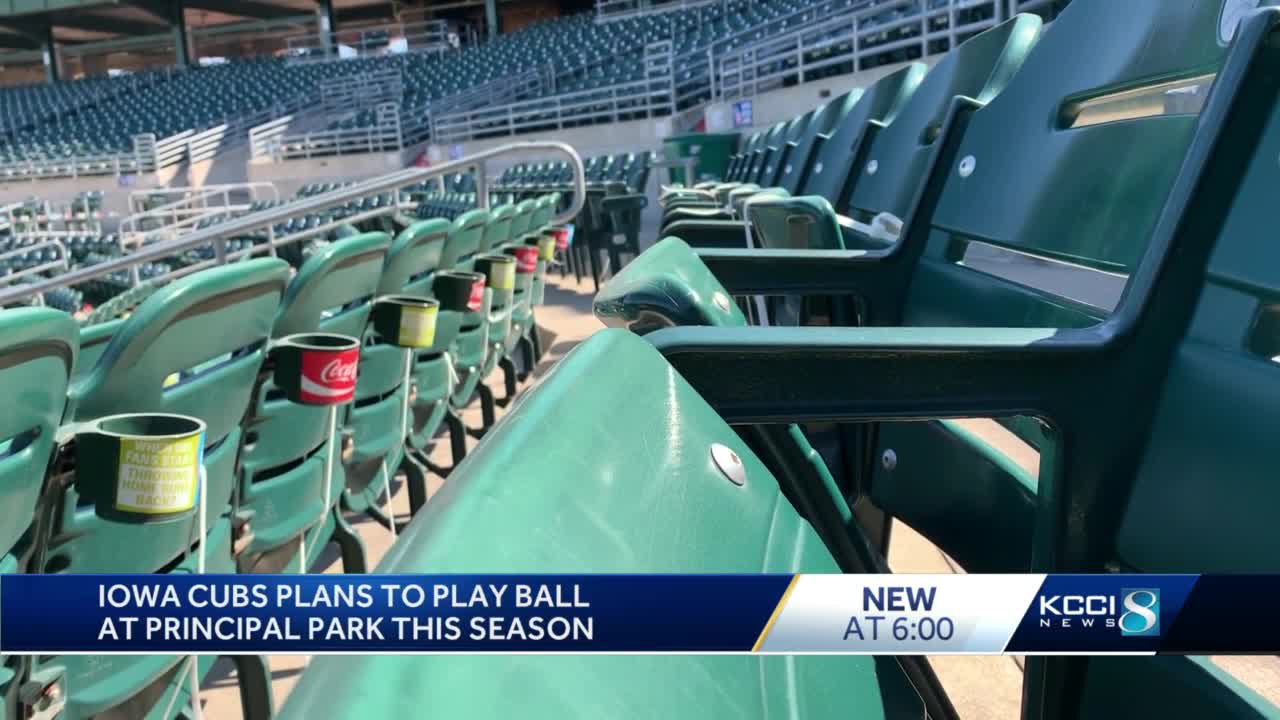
x=348, y=93
x=536, y=81
x=613, y=10
x=849, y=42
x=270, y=141
x=390, y=39
x=216, y=236
x=612, y=103
x=687, y=81
x=191, y=206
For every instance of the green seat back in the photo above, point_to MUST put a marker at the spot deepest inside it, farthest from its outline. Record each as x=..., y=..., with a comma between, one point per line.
x=881, y=103
x=522, y=220
x=738, y=166
x=978, y=68
x=330, y=293
x=466, y=238
x=544, y=210
x=1208, y=458
x=413, y=258
x=797, y=131
x=768, y=146
x=37, y=353
x=497, y=228
x=211, y=328
x=750, y=528
x=794, y=170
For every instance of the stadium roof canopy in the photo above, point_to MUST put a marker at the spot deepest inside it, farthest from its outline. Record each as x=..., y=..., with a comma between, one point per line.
x=27, y=24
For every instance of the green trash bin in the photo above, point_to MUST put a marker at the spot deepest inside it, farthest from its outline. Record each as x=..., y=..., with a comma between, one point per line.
x=712, y=150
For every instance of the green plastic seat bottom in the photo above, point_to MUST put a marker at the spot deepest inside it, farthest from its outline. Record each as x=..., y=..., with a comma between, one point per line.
x=101, y=682
x=468, y=358
x=434, y=386
x=639, y=502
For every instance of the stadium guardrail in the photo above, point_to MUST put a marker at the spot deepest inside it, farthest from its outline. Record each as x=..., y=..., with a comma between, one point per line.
x=191, y=206
x=218, y=235
x=394, y=38
x=611, y=103
x=614, y=10
x=271, y=142
x=847, y=42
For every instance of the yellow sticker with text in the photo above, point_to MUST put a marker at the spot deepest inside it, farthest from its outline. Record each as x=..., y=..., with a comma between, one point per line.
x=158, y=477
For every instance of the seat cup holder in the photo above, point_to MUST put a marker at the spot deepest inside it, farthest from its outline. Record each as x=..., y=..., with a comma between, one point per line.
x=141, y=468
x=407, y=321
x=318, y=369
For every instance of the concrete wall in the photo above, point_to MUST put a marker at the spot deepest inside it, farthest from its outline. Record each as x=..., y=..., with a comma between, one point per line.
x=290, y=175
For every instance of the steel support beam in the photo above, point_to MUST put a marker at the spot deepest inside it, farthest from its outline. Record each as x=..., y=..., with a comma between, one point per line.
x=181, y=38
x=491, y=17
x=328, y=25
x=52, y=58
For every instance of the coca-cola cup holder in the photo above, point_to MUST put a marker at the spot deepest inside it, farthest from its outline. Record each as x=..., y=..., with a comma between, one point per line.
x=526, y=258
x=316, y=368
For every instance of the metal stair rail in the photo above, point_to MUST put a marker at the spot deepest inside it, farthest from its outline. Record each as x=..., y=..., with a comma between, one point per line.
x=846, y=43
x=614, y=10
x=385, y=134
x=418, y=36
x=190, y=206
x=347, y=94
x=216, y=236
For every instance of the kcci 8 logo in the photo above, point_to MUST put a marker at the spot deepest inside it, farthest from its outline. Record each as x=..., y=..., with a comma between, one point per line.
x=1141, y=616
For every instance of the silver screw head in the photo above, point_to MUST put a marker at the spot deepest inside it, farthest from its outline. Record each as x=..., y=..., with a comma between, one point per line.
x=729, y=464
x=967, y=165
x=872, y=167
x=721, y=300
x=889, y=459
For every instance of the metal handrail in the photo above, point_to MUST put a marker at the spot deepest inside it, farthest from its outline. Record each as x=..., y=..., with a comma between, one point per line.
x=637, y=8
x=635, y=96
x=218, y=234
x=192, y=207
x=757, y=67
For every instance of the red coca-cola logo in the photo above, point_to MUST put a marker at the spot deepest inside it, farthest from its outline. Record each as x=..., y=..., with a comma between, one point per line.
x=476, y=301
x=562, y=238
x=329, y=378
x=526, y=259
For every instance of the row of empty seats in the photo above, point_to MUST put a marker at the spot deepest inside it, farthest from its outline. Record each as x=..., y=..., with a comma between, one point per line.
x=279, y=479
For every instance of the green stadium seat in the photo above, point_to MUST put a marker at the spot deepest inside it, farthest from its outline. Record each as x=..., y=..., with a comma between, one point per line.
x=737, y=529
x=933, y=290
x=208, y=332
x=411, y=269
x=282, y=466
x=832, y=165
x=37, y=353
x=377, y=422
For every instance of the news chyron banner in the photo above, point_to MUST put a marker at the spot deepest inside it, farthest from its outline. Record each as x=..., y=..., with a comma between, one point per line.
x=782, y=614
